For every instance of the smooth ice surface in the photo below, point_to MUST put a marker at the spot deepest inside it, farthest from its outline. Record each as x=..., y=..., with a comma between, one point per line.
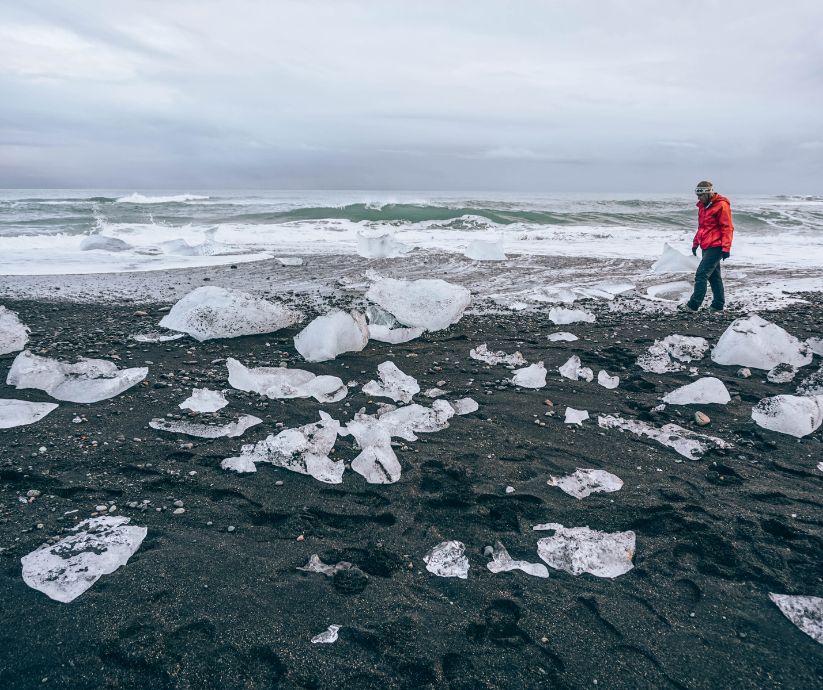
x=157, y=337
x=481, y=353
x=666, y=354
x=575, y=416
x=380, y=245
x=502, y=562
x=532, y=376
x=315, y=565
x=483, y=250
x=673, y=261
x=448, y=559
x=434, y=392
x=405, y=422
x=332, y=334
x=464, y=406
x=805, y=612
x=393, y=384
x=204, y=400
x=289, y=260
x=13, y=333
x=432, y=304
x=812, y=384
x=562, y=316
x=582, y=483
x=562, y=336
x=687, y=443
x=706, y=390
x=582, y=550
x=815, y=345
x=394, y=336
x=214, y=312
x=99, y=546
x=377, y=461
x=21, y=412
x=607, y=381
x=794, y=415
x=229, y=430
x=574, y=371
x=327, y=636
x=782, y=373
x=87, y=381
x=281, y=382
x=760, y=344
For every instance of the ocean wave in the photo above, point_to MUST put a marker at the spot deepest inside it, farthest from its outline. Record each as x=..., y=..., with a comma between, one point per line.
x=176, y=199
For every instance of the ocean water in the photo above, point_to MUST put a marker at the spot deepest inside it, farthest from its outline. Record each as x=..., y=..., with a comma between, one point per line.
x=100, y=231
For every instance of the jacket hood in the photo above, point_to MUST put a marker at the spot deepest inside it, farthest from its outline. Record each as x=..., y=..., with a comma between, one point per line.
x=717, y=198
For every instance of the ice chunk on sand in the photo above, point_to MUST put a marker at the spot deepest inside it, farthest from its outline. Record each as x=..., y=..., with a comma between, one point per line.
x=575, y=416
x=327, y=636
x=406, y=422
x=448, y=559
x=303, y=450
x=805, y=612
x=394, y=336
x=214, y=312
x=782, y=373
x=562, y=316
x=795, y=415
x=99, y=546
x=572, y=370
x=464, y=406
x=432, y=304
x=204, y=400
x=533, y=376
x=87, y=381
x=665, y=354
x=672, y=261
x=156, y=337
x=687, y=443
x=13, y=333
x=289, y=260
x=582, y=483
x=376, y=244
x=377, y=461
x=582, y=550
x=281, y=382
x=706, y=390
x=434, y=392
x=228, y=430
x=22, y=412
x=483, y=250
x=315, y=565
x=393, y=384
x=607, y=381
x=760, y=344
x=561, y=336
x=812, y=384
x=502, y=562
x=332, y=334
x=815, y=345
x=481, y=353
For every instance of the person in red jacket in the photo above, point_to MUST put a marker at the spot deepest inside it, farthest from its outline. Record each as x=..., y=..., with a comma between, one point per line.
x=714, y=237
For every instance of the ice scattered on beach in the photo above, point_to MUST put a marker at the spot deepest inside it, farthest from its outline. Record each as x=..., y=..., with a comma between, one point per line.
x=393, y=384
x=22, y=412
x=582, y=550
x=532, y=376
x=673, y=261
x=283, y=383
x=332, y=334
x=464, y=406
x=289, y=260
x=562, y=316
x=327, y=636
x=432, y=304
x=204, y=400
x=482, y=354
x=87, y=381
x=607, y=381
x=14, y=334
x=377, y=461
x=228, y=430
x=378, y=244
x=575, y=416
x=561, y=336
x=687, y=443
x=582, y=483
x=794, y=415
x=405, y=422
x=214, y=312
x=483, y=250
x=782, y=373
x=448, y=559
x=384, y=328
x=99, y=546
x=805, y=612
x=666, y=354
x=315, y=565
x=502, y=562
x=812, y=384
x=156, y=337
x=574, y=371
x=759, y=344
x=706, y=390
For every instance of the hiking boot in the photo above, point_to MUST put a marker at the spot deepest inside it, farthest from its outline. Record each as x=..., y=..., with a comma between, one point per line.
x=685, y=307
x=715, y=309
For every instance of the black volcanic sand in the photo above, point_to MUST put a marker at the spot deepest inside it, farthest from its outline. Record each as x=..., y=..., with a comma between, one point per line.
x=199, y=606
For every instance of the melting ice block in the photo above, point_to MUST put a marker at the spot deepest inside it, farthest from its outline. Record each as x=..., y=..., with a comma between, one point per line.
x=812, y=384
x=607, y=381
x=562, y=316
x=21, y=412
x=687, y=443
x=432, y=304
x=281, y=382
x=99, y=546
x=533, y=376
x=384, y=328
x=87, y=381
x=781, y=373
x=377, y=461
x=562, y=336
x=572, y=370
x=376, y=244
x=464, y=406
x=665, y=354
x=483, y=250
x=327, y=636
x=707, y=390
x=214, y=312
x=672, y=261
x=805, y=612
x=204, y=400
x=583, y=483
x=582, y=550
x=332, y=334
x=406, y=422
x=575, y=416
x=448, y=559
x=289, y=260
x=795, y=415
x=393, y=384
x=760, y=344
x=815, y=345
x=481, y=353
x=157, y=337
x=502, y=562
x=229, y=430
x=13, y=333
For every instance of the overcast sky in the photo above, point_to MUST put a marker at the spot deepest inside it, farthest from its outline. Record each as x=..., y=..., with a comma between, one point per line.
x=606, y=95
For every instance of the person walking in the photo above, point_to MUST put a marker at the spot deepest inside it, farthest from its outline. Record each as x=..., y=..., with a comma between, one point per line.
x=714, y=237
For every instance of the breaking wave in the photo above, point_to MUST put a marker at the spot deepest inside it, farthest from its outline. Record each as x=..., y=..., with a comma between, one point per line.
x=176, y=199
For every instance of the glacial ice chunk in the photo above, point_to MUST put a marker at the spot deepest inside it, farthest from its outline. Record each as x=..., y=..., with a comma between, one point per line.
x=377, y=461
x=562, y=336
x=464, y=406
x=204, y=400
x=405, y=422
x=760, y=344
x=375, y=244
x=781, y=373
x=673, y=261
x=706, y=390
x=483, y=250
x=812, y=384
x=607, y=381
x=432, y=304
x=332, y=334
x=394, y=336
x=393, y=384
x=289, y=260
x=805, y=612
x=327, y=636
x=582, y=483
x=582, y=550
x=14, y=334
x=666, y=354
x=502, y=562
x=99, y=546
x=283, y=383
x=575, y=416
x=687, y=443
x=572, y=370
x=315, y=565
x=481, y=353
x=228, y=430
x=794, y=415
x=22, y=412
x=532, y=376
x=562, y=316
x=448, y=559
x=214, y=312
x=156, y=337
x=815, y=345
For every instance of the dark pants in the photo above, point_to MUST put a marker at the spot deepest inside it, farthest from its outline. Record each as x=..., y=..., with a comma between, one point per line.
x=708, y=270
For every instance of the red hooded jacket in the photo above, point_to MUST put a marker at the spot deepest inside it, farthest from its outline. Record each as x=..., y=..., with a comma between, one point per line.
x=714, y=224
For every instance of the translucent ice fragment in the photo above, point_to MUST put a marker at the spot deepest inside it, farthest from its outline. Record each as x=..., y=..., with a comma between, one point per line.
x=481, y=352
x=805, y=612
x=13, y=333
x=377, y=461
x=673, y=261
x=327, y=636
x=157, y=337
x=502, y=562
x=229, y=430
x=607, y=381
x=706, y=390
x=794, y=415
x=665, y=355
x=432, y=304
x=483, y=250
x=687, y=443
x=21, y=412
x=464, y=406
x=332, y=334
x=532, y=376
x=289, y=260
x=282, y=382
x=405, y=422
x=760, y=344
x=448, y=559
x=582, y=550
x=815, y=345
x=394, y=336
x=393, y=384
x=380, y=245
x=574, y=371
x=315, y=565
x=583, y=483
x=575, y=416
x=562, y=336
x=204, y=400
x=562, y=316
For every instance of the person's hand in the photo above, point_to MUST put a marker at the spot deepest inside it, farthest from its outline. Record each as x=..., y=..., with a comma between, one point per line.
x=725, y=255
x=694, y=251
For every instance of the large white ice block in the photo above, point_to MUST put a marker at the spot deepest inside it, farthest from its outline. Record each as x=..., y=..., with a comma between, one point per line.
x=432, y=304
x=13, y=333
x=282, y=382
x=532, y=376
x=332, y=334
x=703, y=391
x=755, y=342
x=204, y=400
x=790, y=414
x=22, y=412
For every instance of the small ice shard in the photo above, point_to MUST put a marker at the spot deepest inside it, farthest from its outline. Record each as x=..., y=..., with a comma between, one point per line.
x=562, y=336
x=406, y=422
x=87, y=381
x=214, y=312
x=812, y=384
x=759, y=344
x=704, y=391
x=815, y=345
x=379, y=244
x=283, y=383
x=575, y=416
x=228, y=430
x=377, y=461
x=99, y=546
x=502, y=562
x=434, y=392
x=607, y=381
x=673, y=261
x=533, y=376
x=289, y=260
x=332, y=334
x=794, y=415
x=481, y=353
x=572, y=370
x=22, y=412
x=448, y=559
x=157, y=337
x=303, y=450
x=687, y=443
x=103, y=243
x=805, y=612
x=665, y=355
x=582, y=550
x=393, y=384
x=327, y=636
x=483, y=250
x=204, y=400
x=464, y=406
x=432, y=304
x=13, y=333
x=315, y=565
x=562, y=316
x=781, y=373
x=583, y=483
